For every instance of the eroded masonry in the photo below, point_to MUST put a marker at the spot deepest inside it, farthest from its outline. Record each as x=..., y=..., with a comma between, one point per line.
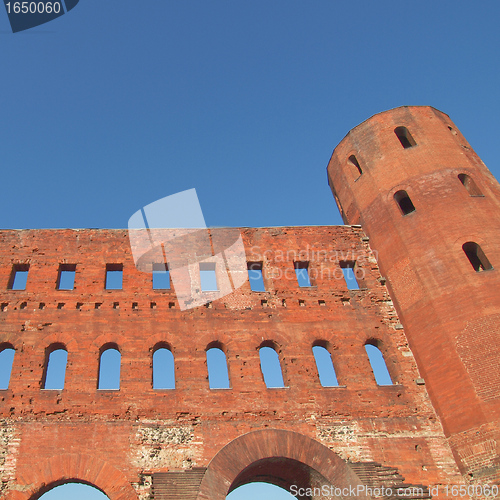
x=160, y=402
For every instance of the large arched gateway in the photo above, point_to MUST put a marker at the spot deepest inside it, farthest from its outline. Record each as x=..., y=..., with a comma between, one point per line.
x=284, y=458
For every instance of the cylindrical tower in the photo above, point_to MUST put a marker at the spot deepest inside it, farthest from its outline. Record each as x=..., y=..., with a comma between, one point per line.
x=432, y=211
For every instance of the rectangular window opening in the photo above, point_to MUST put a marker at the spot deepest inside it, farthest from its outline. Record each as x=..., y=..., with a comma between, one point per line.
x=349, y=275
x=208, y=277
x=255, y=277
x=114, y=276
x=302, y=273
x=66, y=277
x=161, y=277
x=19, y=277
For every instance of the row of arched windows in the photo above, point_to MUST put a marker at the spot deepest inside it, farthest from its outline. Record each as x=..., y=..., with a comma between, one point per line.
x=164, y=372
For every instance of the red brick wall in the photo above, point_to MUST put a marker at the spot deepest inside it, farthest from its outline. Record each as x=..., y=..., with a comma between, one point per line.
x=117, y=439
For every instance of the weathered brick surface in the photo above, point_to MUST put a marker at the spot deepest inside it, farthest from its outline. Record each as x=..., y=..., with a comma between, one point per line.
x=450, y=312
x=116, y=440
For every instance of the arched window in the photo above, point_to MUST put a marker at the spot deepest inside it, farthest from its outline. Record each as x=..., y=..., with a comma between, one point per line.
x=218, y=376
x=377, y=362
x=405, y=138
x=75, y=491
x=270, y=366
x=109, y=367
x=56, y=357
x=7, y=352
x=469, y=185
x=163, y=368
x=476, y=257
x=257, y=489
x=404, y=203
x=324, y=364
x=355, y=168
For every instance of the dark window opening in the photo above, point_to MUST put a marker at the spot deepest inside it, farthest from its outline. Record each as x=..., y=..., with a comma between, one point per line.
x=114, y=276
x=163, y=369
x=377, y=362
x=66, y=277
x=161, y=277
x=55, y=367
x=405, y=138
x=208, y=278
x=255, y=277
x=324, y=364
x=302, y=273
x=405, y=204
x=109, y=368
x=271, y=367
x=18, y=277
x=218, y=375
x=470, y=185
x=476, y=257
x=355, y=168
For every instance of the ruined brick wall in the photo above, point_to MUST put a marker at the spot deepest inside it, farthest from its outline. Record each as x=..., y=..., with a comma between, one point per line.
x=118, y=439
x=448, y=304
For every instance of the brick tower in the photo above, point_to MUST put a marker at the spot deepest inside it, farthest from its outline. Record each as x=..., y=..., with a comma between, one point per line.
x=431, y=210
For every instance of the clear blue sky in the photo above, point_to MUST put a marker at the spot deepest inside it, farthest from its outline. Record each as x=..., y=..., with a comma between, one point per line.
x=122, y=102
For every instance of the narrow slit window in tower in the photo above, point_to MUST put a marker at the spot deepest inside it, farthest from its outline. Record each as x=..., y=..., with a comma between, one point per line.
x=355, y=168
x=476, y=257
x=470, y=185
x=405, y=204
x=405, y=138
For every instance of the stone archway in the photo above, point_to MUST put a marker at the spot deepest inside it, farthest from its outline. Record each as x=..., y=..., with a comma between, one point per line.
x=66, y=468
x=280, y=457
